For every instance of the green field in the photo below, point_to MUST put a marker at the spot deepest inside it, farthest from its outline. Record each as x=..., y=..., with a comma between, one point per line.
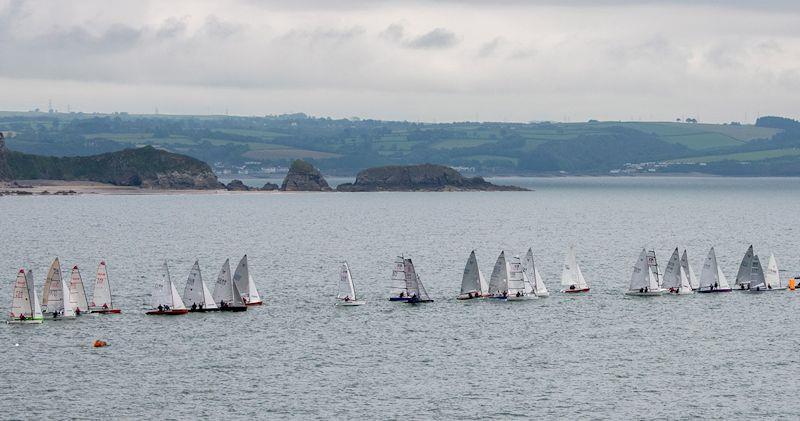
x=742, y=156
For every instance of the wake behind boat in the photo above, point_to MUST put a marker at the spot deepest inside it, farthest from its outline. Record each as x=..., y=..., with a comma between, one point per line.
x=25, y=306
x=643, y=281
x=101, y=294
x=196, y=293
x=473, y=284
x=164, y=298
x=711, y=277
x=347, y=290
x=571, y=276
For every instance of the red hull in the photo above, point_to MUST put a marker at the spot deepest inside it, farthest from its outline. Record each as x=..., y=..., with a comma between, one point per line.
x=167, y=313
x=109, y=311
x=257, y=303
x=573, y=291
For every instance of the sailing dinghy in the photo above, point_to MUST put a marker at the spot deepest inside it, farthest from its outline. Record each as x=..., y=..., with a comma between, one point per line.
x=711, y=277
x=347, y=291
x=399, y=291
x=196, y=294
x=518, y=288
x=773, y=276
x=53, y=279
x=25, y=307
x=473, y=284
x=693, y=280
x=675, y=280
x=757, y=281
x=533, y=279
x=742, y=282
x=414, y=285
x=77, y=292
x=58, y=294
x=165, y=299
x=498, y=282
x=571, y=276
x=101, y=294
x=643, y=281
x=226, y=295
x=244, y=282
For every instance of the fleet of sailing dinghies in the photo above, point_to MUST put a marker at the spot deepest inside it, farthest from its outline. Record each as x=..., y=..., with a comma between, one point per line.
x=347, y=290
x=571, y=276
x=244, y=282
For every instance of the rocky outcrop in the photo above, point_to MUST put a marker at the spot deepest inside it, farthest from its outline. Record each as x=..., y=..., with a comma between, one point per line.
x=425, y=177
x=270, y=187
x=303, y=176
x=146, y=167
x=237, y=185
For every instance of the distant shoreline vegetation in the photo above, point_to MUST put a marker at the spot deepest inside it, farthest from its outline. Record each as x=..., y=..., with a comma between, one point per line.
x=244, y=146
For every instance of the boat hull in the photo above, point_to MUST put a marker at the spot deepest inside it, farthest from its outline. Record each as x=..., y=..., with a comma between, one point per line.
x=520, y=298
x=709, y=291
x=255, y=303
x=167, y=312
x=398, y=298
x=545, y=295
x=24, y=322
x=468, y=297
x=417, y=301
x=350, y=303
x=644, y=294
x=203, y=310
x=106, y=311
x=575, y=291
x=234, y=309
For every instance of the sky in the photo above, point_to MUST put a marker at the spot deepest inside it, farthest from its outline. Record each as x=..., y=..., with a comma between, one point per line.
x=415, y=60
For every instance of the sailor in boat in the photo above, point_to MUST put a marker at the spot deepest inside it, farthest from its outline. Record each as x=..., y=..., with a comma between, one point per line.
x=518, y=294
x=105, y=306
x=160, y=307
x=194, y=306
x=200, y=306
x=402, y=294
x=22, y=317
x=347, y=298
x=77, y=311
x=572, y=287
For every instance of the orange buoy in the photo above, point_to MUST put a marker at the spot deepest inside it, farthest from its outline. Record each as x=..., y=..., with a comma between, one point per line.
x=792, y=284
x=99, y=344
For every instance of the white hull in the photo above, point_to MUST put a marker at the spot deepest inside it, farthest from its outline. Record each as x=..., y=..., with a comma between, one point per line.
x=24, y=322
x=522, y=298
x=350, y=303
x=544, y=295
x=644, y=294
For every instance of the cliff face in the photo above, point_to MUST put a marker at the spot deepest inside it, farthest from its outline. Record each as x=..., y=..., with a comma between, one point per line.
x=143, y=167
x=425, y=177
x=303, y=176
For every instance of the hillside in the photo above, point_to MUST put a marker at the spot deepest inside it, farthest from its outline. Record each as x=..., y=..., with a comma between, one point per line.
x=348, y=146
x=425, y=177
x=145, y=167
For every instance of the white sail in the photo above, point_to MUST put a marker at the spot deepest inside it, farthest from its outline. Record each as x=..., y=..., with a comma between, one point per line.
x=77, y=292
x=672, y=273
x=101, y=294
x=37, y=309
x=53, y=279
x=423, y=293
x=411, y=279
x=223, y=288
x=652, y=263
x=743, y=275
x=398, y=280
x=21, y=301
x=640, y=279
x=498, y=282
x=756, y=274
x=471, y=279
x=346, y=288
x=711, y=277
x=693, y=281
x=537, y=284
x=164, y=292
x=516, y=279
x=196, y=291
x=772, y=276
x=571, y=275
x=67, y=309
x=684, y=287
x=723, y=282
x=244, y=282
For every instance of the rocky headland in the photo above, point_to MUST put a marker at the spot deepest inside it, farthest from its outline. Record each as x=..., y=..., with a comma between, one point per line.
x=424, y=177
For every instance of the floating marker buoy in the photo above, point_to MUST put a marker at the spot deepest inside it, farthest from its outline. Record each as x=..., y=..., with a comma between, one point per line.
x=99, y=344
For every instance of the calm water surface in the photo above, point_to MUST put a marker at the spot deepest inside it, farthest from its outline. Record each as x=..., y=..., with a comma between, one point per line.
x=601, y=355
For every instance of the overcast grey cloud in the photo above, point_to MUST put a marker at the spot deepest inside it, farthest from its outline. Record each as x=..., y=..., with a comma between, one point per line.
x=416, y=60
